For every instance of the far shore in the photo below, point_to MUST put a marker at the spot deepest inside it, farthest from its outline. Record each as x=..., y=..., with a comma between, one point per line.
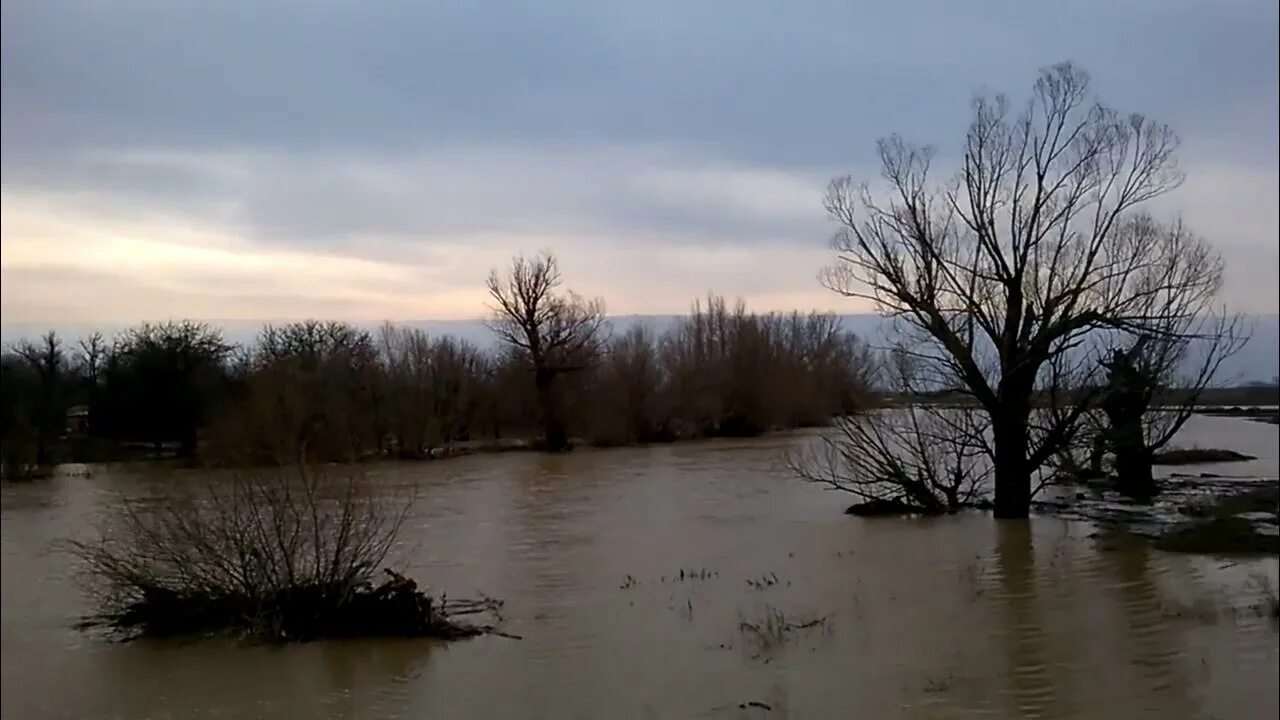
x=93, y=452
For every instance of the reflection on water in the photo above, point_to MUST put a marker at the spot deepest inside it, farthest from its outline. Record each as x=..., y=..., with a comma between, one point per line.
x=940, y=618
x=1030, y=679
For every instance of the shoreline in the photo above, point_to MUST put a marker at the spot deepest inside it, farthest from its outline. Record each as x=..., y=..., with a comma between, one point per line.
x=454, y=451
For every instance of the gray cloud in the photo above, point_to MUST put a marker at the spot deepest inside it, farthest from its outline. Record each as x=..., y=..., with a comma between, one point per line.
x=403, y=131
x=322, y=199
x=764, y=81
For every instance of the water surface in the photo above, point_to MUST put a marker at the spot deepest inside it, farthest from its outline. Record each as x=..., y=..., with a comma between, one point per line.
x=956, y=617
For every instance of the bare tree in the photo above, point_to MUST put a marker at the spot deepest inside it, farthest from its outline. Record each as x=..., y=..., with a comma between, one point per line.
x=552, y=333
x=48, y=361
x=432, y=386
x=630, y=394
x=920, y=458
x=312, y=395
x=1153, y=386
x=92, y=352
x=173, y=375
x=1032, y=247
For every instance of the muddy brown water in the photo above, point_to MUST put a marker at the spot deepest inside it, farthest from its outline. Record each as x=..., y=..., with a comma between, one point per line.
x=957, y=617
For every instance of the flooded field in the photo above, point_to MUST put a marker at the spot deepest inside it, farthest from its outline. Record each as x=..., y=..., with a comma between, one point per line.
x=630, y=575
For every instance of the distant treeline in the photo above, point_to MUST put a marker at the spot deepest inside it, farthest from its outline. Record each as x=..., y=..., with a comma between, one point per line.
x=329, y=391
x=1253, y=394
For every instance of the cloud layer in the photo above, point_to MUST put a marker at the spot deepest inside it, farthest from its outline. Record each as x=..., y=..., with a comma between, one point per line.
x=287, y=159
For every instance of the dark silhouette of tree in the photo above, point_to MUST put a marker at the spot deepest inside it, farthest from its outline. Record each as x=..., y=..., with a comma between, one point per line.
x=999, y=276
x=549, y=332
x=733, y=372
x=329, y=391
x=919, y=458
x=48, y=363
x=19, y=393
x=1130, y=390
x=89, y=368
x=165, y=380
x=312, y=393
x=1152, y=387
x=434, y=388
x=635, y=390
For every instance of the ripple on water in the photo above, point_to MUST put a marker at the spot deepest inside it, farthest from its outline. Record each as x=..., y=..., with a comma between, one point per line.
x=939, y=618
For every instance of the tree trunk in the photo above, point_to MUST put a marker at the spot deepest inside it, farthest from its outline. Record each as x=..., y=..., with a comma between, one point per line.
x=1096, y=453
x=42, y=448
x=1134, y=476
x=557, y=438
x=189, y=444
x=1127, y=401
x=1133, y=458
x=554, y=436
x=1012, y=474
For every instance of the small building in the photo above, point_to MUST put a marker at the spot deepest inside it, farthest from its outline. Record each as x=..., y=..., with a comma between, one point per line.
x=78, y=420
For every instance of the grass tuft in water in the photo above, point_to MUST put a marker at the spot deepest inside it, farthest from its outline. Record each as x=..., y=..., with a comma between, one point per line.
x=772, y=631
x=1219, y=529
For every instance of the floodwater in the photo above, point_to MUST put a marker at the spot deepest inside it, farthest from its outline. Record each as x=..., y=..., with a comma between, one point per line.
x=958, y=617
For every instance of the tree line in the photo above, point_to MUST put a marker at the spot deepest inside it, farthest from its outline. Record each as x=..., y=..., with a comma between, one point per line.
x=1031, y=281
x=155, y=383
x=331, y=391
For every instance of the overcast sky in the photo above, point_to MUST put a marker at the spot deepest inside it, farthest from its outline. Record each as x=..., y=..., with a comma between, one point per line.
x=246, y=159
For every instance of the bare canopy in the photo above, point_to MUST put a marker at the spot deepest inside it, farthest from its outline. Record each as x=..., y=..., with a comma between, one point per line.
x=553, y=333
x=1003, y=272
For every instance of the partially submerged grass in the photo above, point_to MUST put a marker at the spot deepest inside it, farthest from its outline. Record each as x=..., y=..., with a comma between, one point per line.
x=764, y=581
x=1198, y=456
x=774, y=629
x=1220, y=536
x=1257, y=414
x=1219, y=529
x=940, y=683
x=1268, y=603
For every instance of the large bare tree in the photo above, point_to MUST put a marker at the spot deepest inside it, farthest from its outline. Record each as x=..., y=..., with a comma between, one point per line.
x=1003, y=272
x=552, y=332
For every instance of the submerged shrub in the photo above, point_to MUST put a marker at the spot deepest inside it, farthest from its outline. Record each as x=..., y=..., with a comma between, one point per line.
x=285, y=555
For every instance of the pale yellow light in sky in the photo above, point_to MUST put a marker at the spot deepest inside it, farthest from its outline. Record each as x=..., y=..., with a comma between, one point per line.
x=94, y=268
x=69, y=258
x=63, y=263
